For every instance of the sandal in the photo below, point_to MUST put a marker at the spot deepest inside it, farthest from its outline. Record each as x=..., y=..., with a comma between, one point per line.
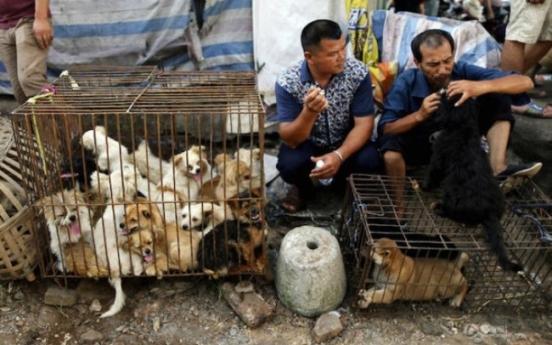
x=293, y=202
x=537, y=111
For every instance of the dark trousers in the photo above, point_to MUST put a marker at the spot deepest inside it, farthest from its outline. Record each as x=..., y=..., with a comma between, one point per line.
x=295, y=165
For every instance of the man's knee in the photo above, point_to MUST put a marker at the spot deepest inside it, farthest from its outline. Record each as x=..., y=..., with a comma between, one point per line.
x=393, y=161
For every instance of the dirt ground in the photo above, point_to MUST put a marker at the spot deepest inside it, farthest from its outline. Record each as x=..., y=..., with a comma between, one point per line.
x=188, y=310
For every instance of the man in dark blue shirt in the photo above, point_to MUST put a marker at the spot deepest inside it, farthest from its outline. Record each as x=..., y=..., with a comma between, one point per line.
x=326, y=113
x=408, y=122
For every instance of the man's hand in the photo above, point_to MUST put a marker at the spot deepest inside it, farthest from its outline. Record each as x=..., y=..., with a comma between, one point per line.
x=467, y=88
x=430, y=104
x=315, y=100
x=43, y=32
x=328, y=169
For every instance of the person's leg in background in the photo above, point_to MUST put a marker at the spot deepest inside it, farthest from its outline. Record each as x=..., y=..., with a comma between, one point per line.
x=31, y=59
x=8, y=55
x=528, y=39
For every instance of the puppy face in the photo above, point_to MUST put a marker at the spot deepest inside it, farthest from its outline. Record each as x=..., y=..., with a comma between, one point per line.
x=248, y=206
x=196, y=215
x=141, y=215
x=383, y=251
x=66, y=215
x=142, y=243
x=193, y=162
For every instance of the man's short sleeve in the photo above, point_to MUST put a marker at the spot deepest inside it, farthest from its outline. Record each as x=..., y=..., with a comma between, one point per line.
x=287, y=106
x=363, y=100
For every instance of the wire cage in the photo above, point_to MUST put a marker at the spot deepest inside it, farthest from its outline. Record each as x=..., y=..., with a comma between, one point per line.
x=145, y=172
x=453, y=262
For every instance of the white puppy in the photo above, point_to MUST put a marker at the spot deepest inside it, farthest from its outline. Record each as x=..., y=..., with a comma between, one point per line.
x=204, y=216
x=110, y=154
x=182, y=182
x=68, y=220
x=149, y=165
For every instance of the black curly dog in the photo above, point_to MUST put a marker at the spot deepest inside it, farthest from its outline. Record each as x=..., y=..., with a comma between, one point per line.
x=471, y=194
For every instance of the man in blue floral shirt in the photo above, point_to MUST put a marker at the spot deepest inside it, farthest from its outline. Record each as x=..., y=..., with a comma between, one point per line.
x=326, y=113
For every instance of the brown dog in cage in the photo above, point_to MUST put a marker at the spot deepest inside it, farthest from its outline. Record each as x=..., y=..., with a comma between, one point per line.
x=179, y=245
x=152, y=249
x=234, y=178
x=400, y=277
x=471, y=194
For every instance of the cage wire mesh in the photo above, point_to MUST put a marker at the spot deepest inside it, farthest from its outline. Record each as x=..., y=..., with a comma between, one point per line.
x=139, y=171
x=370, y=214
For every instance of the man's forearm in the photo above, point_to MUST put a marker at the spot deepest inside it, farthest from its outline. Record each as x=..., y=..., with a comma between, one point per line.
x=296, y=132
x=356, y=138
x=41, y=9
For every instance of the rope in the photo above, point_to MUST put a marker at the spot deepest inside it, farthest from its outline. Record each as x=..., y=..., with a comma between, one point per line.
x=47, y=92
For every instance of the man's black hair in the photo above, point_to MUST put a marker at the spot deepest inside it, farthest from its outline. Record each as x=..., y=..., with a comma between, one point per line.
x=317, y=30
x=432, y=38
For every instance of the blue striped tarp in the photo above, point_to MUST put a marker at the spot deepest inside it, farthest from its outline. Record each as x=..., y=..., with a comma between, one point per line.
x=138, y=32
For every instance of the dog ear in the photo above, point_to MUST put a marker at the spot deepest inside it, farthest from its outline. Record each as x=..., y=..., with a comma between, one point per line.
x=177, y=160
x=207, y=214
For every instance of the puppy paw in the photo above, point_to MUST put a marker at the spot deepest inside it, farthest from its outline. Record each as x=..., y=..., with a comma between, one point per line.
x=365, y=298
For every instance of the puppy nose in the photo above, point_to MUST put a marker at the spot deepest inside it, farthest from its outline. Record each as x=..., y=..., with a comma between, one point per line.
x=185, y=226
x=122, y=225
x=147, y=251
x=72, y=218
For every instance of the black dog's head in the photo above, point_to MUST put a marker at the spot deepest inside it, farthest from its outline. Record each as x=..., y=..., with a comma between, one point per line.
x=451, y=116
x=77, y=170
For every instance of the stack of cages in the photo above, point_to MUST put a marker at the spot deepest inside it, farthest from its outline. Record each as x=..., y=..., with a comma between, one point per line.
x=403, y=251
x=142, y=172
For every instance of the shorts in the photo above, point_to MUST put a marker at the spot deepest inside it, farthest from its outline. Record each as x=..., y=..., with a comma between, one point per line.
x=530, y=23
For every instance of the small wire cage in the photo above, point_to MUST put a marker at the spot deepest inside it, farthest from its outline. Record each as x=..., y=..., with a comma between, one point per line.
x=370, y=216
x=140, y=171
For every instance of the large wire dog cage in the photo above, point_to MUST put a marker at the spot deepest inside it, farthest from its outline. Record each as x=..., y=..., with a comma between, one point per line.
x=370, y=214
x=90, y=126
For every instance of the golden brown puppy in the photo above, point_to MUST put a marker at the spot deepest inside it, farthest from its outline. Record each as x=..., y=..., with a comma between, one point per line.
x=181, y=245
x=399, y=277
x=80, y=258
x=235, y=177
x=152, y=249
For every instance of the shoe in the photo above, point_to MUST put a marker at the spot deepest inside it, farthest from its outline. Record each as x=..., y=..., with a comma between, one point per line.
x=515, y=175
x=293, y=202
x=529, y=170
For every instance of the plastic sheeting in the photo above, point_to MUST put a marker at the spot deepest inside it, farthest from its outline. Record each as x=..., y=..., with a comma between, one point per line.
x=277, y=27
x=474, y=45
x=138, y=32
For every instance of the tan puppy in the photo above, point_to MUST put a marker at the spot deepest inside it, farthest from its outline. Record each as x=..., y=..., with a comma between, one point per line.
x=80, y=258
x=235, y=177
x=399, y=277
x=252, y=157
x=181, y=245
x=152, y=249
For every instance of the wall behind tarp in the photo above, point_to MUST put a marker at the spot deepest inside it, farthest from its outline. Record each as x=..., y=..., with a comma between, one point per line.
x=137, y=32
